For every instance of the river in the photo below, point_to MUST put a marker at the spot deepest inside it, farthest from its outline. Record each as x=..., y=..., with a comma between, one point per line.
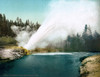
x=45, y=65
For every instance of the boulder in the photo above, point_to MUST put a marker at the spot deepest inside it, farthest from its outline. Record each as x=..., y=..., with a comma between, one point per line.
x=90, y=67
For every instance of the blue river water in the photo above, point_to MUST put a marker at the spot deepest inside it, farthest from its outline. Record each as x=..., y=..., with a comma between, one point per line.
x=45, y=65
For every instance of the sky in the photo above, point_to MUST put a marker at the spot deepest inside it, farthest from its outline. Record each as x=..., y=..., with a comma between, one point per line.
x=34, y=10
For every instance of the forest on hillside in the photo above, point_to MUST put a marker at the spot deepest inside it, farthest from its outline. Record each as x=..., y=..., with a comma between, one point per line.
x=6, y=33
x=88, y=41
x=5, y=25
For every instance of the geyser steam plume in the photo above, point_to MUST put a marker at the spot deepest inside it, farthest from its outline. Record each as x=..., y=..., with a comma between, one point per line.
x=65, y=18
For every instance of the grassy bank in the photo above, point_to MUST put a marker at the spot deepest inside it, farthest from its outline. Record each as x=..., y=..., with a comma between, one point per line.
x=7, y=41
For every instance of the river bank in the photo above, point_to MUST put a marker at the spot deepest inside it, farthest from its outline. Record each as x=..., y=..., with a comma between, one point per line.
x=8, y=53
x=90, y=67
x=12, y=53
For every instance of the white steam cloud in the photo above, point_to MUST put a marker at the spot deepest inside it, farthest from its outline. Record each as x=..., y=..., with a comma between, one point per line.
x=64, y=18
x=23, y=34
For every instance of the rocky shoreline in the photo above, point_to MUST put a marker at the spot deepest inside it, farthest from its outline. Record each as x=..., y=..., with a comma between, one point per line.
x=15, y=52
x=8, y=54
x=90, y=67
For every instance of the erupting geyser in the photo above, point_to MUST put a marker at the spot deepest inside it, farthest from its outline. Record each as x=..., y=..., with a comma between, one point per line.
x=65, y=18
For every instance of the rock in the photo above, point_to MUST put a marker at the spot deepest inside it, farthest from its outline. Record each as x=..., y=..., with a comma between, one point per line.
x=11, y=54
x=90, y=67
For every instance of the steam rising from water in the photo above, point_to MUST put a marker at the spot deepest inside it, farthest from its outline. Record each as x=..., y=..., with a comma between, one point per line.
x=64, y=18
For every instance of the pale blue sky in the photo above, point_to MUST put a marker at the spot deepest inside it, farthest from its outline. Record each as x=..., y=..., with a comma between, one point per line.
x=26, y=9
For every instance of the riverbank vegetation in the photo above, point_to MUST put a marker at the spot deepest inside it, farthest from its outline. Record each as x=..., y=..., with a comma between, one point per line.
x=88, y=41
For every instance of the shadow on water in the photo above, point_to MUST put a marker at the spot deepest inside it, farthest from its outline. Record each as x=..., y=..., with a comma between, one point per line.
x=4, y=67
x=7, y=66
x=66, y=65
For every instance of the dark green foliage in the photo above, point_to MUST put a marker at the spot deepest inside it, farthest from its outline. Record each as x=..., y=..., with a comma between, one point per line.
x=86, y=42
x=74, y=43
x=6, y=33
x=5, y=25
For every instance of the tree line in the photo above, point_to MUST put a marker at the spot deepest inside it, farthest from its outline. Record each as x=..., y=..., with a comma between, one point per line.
x=88, y=41
x=5, y=25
